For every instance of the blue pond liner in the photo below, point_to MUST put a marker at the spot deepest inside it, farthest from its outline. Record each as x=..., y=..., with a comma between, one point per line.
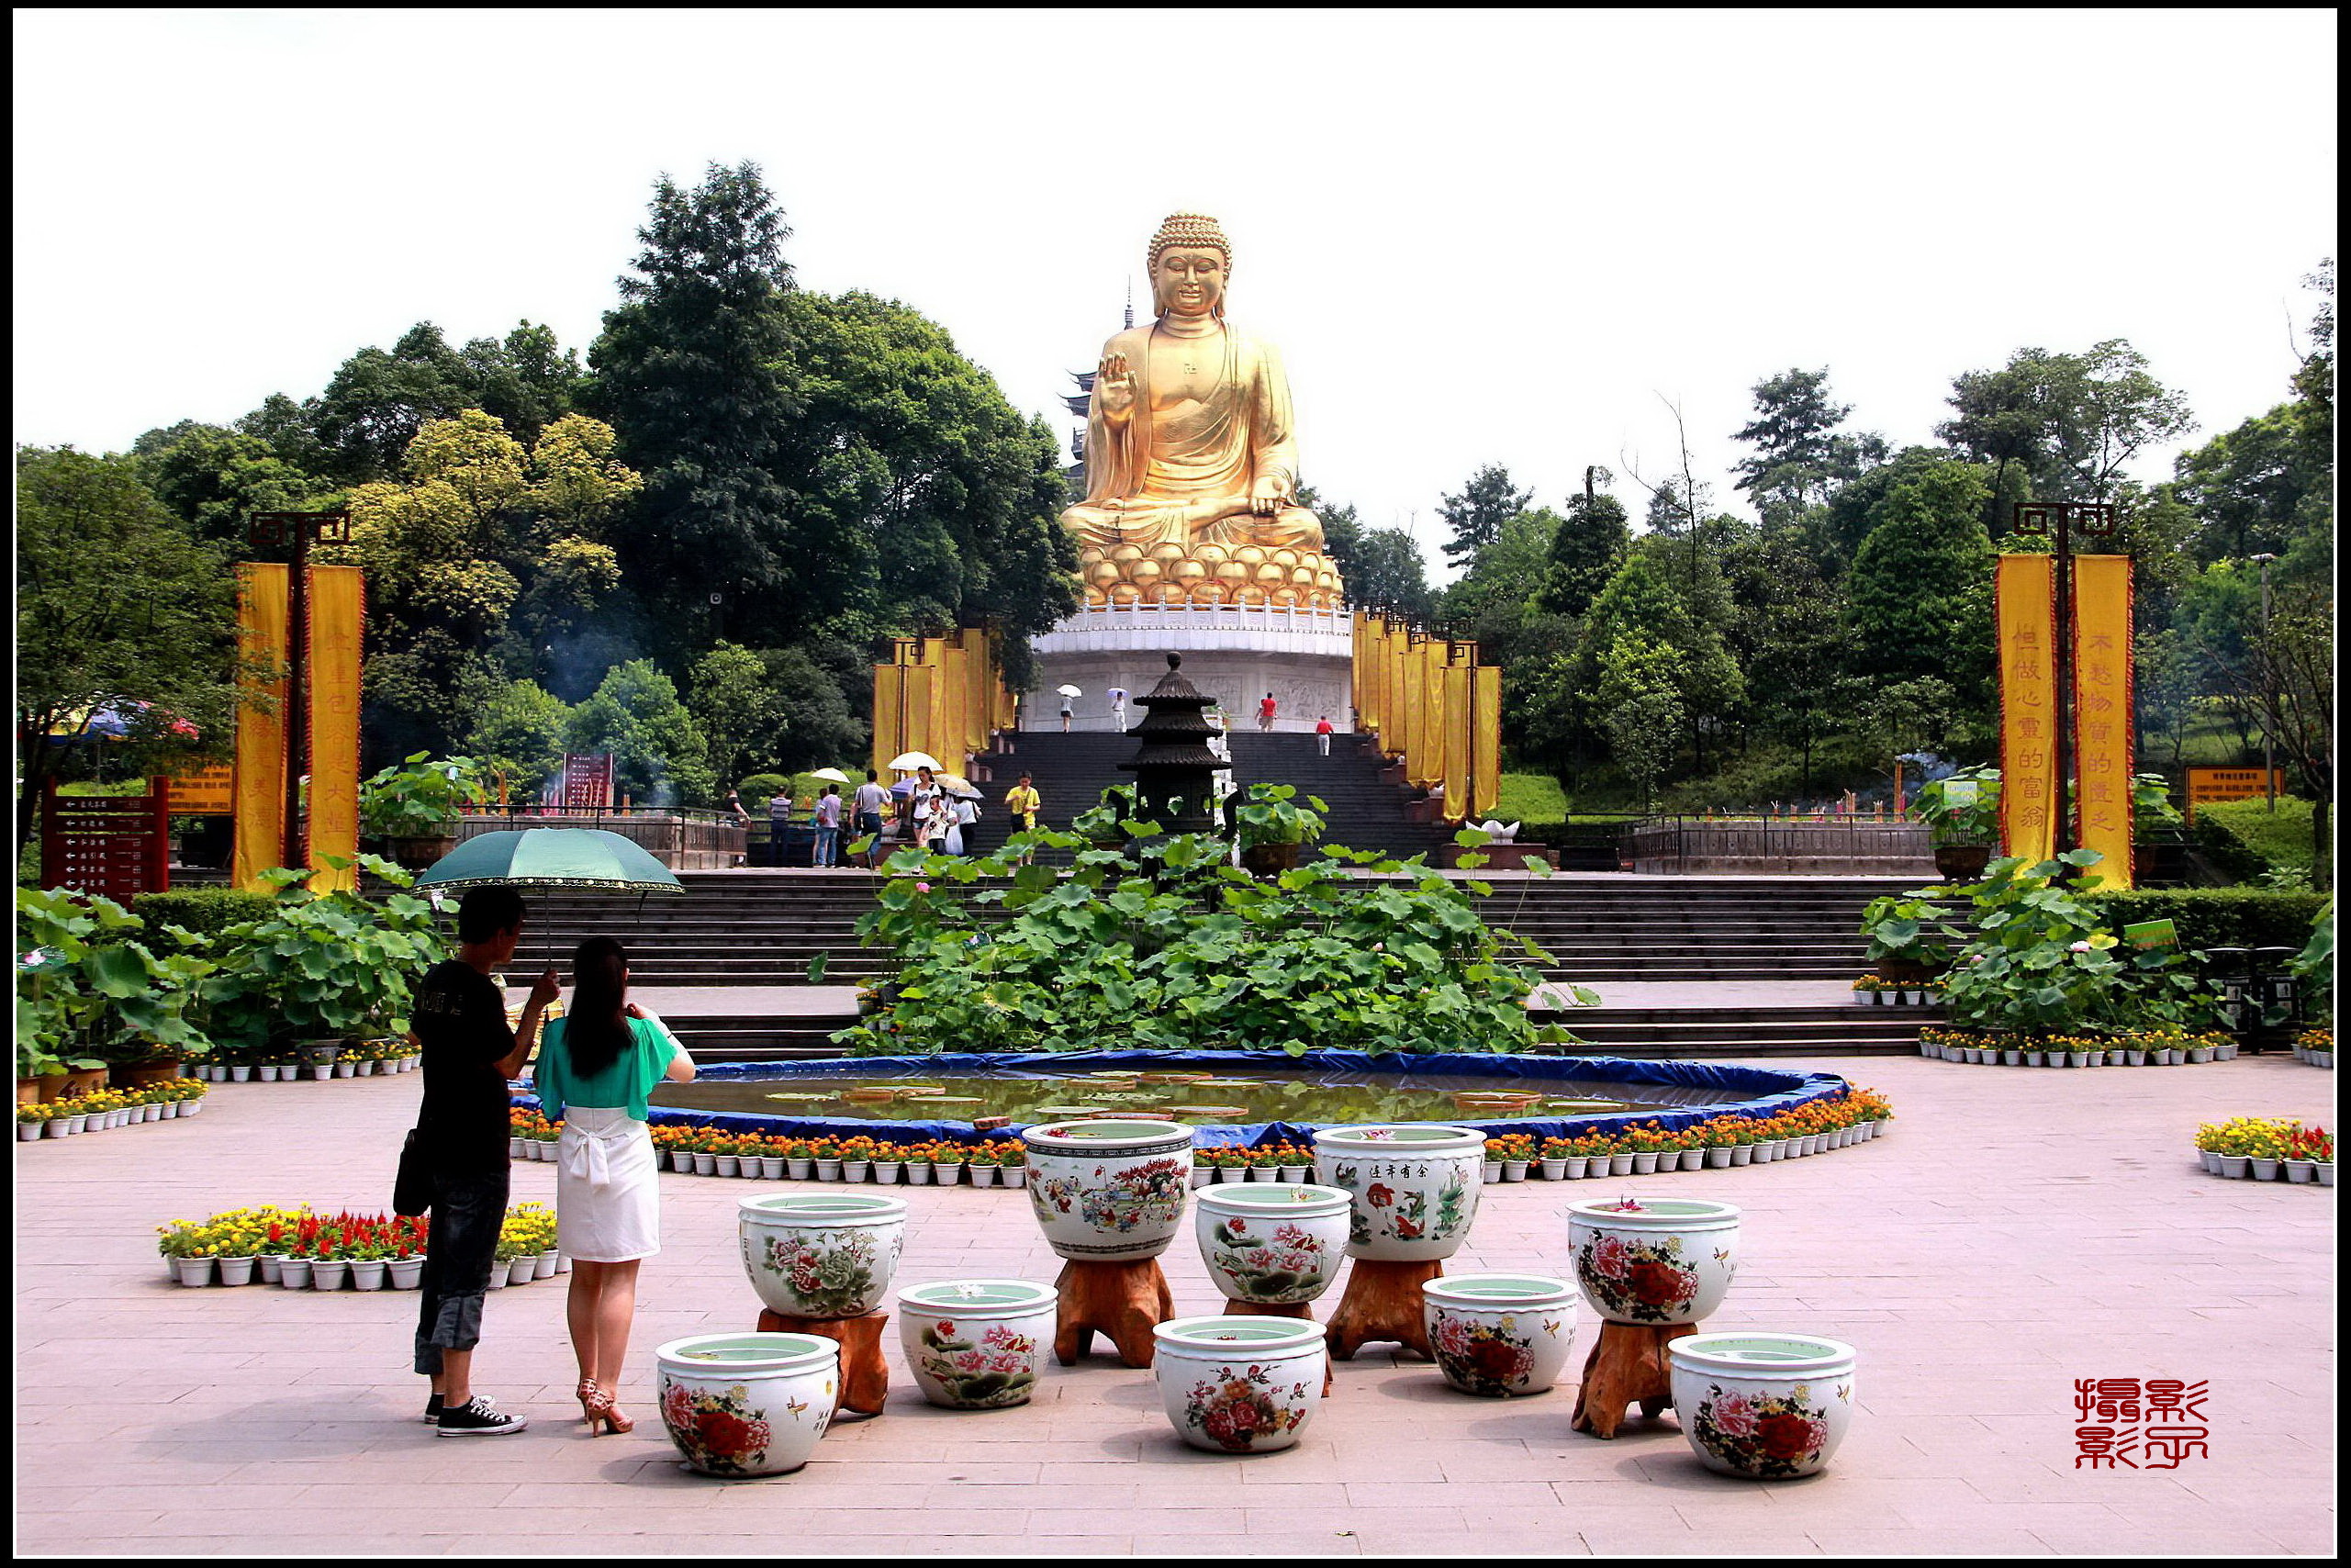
x=1756, y=1092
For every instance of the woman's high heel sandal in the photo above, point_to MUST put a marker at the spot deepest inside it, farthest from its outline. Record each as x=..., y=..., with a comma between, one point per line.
x=599, y=1407
x=587, y=1396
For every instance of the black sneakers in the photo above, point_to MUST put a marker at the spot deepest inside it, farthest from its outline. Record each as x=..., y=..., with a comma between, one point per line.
x=478, y=1418
x=432, y=1411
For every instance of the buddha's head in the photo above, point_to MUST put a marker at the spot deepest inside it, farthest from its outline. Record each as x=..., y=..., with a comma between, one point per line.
x=1191, y=259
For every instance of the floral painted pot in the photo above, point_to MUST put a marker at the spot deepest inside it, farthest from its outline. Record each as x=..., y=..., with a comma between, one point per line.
x=1275, y=1245
x=821, y=1255
x=1111, y=1189
x=1770, y=1405
x=1499, y=1334
x=747, y=1404
x=1415, y=1185
x=1239, y=1384
x=977, y=1344
x=1660, y=1260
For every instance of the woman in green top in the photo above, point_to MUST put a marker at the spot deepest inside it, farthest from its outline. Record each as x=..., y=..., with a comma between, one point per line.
x=599, y=1061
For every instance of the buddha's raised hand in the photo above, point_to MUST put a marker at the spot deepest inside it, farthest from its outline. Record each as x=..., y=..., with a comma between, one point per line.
x=1115, y=385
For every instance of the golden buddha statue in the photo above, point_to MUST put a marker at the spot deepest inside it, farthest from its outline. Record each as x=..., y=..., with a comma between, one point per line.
x=1191, y=461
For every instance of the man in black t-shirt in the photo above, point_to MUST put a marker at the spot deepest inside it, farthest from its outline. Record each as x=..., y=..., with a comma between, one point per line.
x=459, y=1020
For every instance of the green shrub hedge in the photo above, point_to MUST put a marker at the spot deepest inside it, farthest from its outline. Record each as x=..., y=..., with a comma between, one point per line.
x=2217, y=917
x=205, y=911
x=2245, y=838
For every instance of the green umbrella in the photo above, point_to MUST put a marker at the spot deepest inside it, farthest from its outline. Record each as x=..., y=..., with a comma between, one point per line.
x=551, y=857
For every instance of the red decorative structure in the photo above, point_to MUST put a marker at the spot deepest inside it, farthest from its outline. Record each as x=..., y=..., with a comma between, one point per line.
x=588, y=780
x=116, y=846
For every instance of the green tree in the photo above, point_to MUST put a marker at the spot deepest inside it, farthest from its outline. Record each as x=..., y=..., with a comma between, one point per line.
x=1593, y=535
x=520, y=734
x=1648, y=599
x=659, y=755
x=1496, y=594
x=1477, y=514
x=1641, y=713
x=1920, y=588
x=816, y=724
x=377, y=401
x=691, y=370
x=117, y=607
x=727, y=693
x=2069, y=421
x=1799, y=458
x=1386, y=575
x=215, y=479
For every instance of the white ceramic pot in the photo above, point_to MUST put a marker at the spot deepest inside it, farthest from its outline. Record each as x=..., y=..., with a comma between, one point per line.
x=1109, y=1189
x=821, y=1255
x=1273, y=1245
x=1770, y=1405
x=544, y=1265
x=1415, y=1185
x=192, y=1271
x=1664, y=1261
x=747, y=1404
x=366, y=1274
x=1499, y=1334
x=977, y=1344
x=406, y=1273
x=1239, y=1384
x=329, y=1273
x=2233, y=1166
x=523, y=1269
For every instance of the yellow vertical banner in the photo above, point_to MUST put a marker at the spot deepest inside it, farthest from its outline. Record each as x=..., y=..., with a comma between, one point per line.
x=979, y=675
x=2024, y=597
x=1356, y=695
x=1485, y=723
x=1428, y=732
x=1408, y=739
x=888, y=722
x=1457, y=729
x=2102, y=710
x=952, y=687
x=1398, y=696
x=337, y=603
x=922, y=688
x=259, y=807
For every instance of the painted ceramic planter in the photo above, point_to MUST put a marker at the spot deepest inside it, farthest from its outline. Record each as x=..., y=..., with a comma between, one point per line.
x=747, y=1404
x=977, y=1344
x=1239, y=1384
x=1414, y=1186
x=1273, y=1245
x=821, y=1255
x=1499, y=1334
x=1770, y=1405
x=1112, y=1189
x=1664, y=1260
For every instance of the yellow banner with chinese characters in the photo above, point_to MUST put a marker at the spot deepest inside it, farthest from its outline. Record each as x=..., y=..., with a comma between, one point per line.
x=2102, y=727
x=2024, y=595
x=889, y=714
x=330, y=678
x=1459, y=722
x=1485, y=706
x=260, y=807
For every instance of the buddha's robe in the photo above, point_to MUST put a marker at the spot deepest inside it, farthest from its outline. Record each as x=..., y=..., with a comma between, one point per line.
x=1179, y=469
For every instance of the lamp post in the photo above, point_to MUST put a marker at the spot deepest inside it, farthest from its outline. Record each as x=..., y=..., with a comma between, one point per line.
x=2269, y=696
x=269, y=529
x=2058, y=519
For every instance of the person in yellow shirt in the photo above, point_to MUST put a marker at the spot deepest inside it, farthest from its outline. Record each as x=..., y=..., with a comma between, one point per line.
x=1022, y=802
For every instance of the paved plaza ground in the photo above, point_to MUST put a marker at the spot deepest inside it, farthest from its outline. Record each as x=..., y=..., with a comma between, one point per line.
x=2015, y=1231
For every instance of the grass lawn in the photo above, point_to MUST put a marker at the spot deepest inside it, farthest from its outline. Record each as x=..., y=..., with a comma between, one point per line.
x=1532, y=798
x=2282, y=838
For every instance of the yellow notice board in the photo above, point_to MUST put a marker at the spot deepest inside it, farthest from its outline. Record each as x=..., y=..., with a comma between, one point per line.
x=207, y=792
x=2025, y=612
x=2206, y=786
x=2103, y=725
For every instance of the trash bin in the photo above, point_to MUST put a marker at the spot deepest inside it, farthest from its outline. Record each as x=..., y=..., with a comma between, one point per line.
x=2278, y=989
x=2229, y=970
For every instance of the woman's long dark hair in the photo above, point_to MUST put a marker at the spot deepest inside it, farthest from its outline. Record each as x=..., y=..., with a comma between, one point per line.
x=595, y=1029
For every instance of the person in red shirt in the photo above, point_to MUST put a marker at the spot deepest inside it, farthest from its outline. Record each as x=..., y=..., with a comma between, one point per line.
x=1323, y=735
x=1265, y=712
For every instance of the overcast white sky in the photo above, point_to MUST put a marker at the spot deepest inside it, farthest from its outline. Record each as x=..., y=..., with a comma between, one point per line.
x=1476, y=237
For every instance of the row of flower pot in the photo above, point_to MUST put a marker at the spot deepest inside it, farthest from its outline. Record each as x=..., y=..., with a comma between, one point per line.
x=1871, y=991
x=303, y=1249
x=106, y=1109
x=317, y=1071
x=360, y=1274
x=2315, y=1047
x=2075, y=1050
x=2266, y=1148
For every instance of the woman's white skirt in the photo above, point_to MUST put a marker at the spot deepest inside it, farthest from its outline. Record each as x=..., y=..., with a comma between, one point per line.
x=608, y=1189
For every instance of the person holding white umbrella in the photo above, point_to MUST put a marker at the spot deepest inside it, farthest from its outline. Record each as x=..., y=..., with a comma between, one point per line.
x=1067, y=693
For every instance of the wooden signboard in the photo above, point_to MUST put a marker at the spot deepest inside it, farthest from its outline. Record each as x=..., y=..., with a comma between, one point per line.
x=115, y=846
x=2206, y=785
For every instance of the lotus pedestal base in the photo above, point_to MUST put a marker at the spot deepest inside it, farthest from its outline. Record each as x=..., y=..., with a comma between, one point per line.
x=1124, y=1302
x=1628, y=1366
x=1383, y=1302
x=865, y=1377
x=1304, y=1310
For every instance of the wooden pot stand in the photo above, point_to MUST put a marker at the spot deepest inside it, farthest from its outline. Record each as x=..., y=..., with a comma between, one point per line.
x=1628, y=1366
x=865, y=1377
x=1123, y=1301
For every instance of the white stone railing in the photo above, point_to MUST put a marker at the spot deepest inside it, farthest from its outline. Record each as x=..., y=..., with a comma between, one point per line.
x=1267, y=627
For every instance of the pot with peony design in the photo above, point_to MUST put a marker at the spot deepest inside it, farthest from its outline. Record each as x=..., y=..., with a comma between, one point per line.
x=1239, y=1384
x=977, y=1344
x=742, y=1405
x=821, y=1255
x=1657, y=1260
x=1499, y=1334
x=1111, y=1189
x=1769, y=1405
x=1273, y=1246
x=1415, y=1187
